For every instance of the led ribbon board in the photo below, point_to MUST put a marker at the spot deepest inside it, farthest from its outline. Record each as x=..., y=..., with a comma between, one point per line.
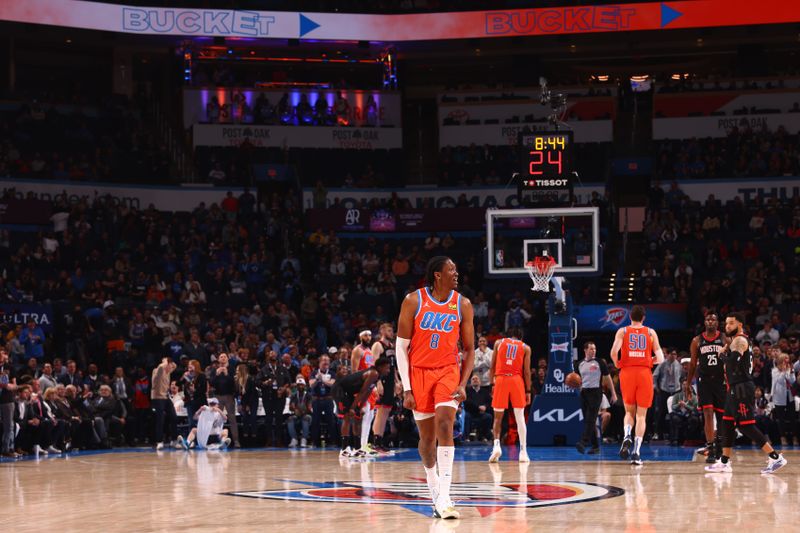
x=411, y=27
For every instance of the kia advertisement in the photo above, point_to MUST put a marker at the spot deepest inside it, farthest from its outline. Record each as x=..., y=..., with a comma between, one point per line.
x=610, y=317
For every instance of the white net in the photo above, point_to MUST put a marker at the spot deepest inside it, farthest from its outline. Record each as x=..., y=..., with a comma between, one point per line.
x=541, y=270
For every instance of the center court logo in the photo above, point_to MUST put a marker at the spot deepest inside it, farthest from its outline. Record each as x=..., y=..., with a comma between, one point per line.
x=414, y=495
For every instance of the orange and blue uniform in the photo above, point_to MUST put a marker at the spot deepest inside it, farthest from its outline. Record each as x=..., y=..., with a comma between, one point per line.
x=509, y=385
x=433, y=352
x=366, y=361
x=636, y=363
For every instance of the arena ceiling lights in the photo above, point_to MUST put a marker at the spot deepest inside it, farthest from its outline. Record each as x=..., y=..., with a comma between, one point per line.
x=395, y=28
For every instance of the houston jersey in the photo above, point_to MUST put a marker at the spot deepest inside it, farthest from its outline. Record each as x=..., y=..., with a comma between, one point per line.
x=509, y=357
x=437, y=329
x=709, y=360
x=637, y=347
x=367, y=360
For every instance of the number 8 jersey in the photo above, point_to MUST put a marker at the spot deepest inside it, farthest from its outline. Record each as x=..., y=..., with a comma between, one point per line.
x=437, y=330
x=637, y=347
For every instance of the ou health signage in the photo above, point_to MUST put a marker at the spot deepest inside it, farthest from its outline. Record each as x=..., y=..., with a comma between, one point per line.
x=410, y=27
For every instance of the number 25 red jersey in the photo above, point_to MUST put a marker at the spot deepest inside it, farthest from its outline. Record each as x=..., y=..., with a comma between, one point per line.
x=437, y=329
x=637, y=347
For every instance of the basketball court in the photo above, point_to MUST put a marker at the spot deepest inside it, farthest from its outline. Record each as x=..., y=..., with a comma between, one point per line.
x=290, y=490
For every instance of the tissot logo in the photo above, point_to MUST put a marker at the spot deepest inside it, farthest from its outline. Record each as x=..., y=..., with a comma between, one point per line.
x=415, y=496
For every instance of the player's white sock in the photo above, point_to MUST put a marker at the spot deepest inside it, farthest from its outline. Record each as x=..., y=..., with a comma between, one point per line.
x=366, y=424
x=433, y=481
x=522, y=427
x=637, y=443
x=496, y=443
x=628, y=430
x=444, y=459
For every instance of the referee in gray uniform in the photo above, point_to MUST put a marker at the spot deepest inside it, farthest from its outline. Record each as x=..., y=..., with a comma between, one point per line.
x=593, y=371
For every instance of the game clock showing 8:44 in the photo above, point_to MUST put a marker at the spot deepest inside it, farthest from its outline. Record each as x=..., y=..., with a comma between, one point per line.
x=546, y=160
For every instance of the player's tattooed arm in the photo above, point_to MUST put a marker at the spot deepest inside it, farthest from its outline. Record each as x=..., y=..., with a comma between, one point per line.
x=738, y=344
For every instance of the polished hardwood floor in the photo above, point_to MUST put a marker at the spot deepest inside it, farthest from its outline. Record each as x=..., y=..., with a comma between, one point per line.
x=313, y=490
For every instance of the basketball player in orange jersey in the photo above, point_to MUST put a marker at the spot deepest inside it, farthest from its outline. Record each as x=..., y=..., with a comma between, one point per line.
x=638, y=344
x=511, y=375
x=362, y=358
x=432, y=321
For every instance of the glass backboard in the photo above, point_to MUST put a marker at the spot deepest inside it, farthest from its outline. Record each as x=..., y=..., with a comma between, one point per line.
x=571, y=235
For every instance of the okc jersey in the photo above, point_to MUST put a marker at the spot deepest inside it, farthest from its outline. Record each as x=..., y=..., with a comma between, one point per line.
x=509, y=357
x=710, y=362
x=437, y=329
x=637, y=347
x=366, y=360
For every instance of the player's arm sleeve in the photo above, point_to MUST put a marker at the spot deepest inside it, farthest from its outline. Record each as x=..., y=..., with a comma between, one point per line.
x=401, y=351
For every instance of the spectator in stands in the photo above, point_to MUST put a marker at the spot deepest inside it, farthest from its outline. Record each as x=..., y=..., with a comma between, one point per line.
x=141, y=406
x=768, y=334
x=322, y=114
x=31, y=369
x=274, y=379
x=321, y=384
x=667, y=381
x=224, y=387
x=684, y=418
x=217, y=175
x=8, y=389
x=159, y=399
x=341, y=109
x=371, y=112
x=247, y=393
x=483, y=363
x=478, y=409
x=32, y=337
x=300, y=409
x=784, y=413
x=46, y=380
x=516, y=316
x=109, y=414
x=195, y=389
x=303, y=111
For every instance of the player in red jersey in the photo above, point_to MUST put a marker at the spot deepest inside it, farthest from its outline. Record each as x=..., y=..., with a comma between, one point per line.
x=362, y=358
x=432, y=321
x=511, y=376
x=638, y=344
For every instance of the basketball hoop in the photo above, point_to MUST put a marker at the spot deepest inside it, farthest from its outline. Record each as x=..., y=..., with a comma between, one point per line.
x=541, y=270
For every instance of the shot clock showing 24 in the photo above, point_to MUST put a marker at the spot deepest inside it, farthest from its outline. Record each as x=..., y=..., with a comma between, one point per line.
x=546, y=167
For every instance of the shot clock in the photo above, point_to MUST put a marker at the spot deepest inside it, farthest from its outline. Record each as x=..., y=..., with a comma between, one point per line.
x=545, y=174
